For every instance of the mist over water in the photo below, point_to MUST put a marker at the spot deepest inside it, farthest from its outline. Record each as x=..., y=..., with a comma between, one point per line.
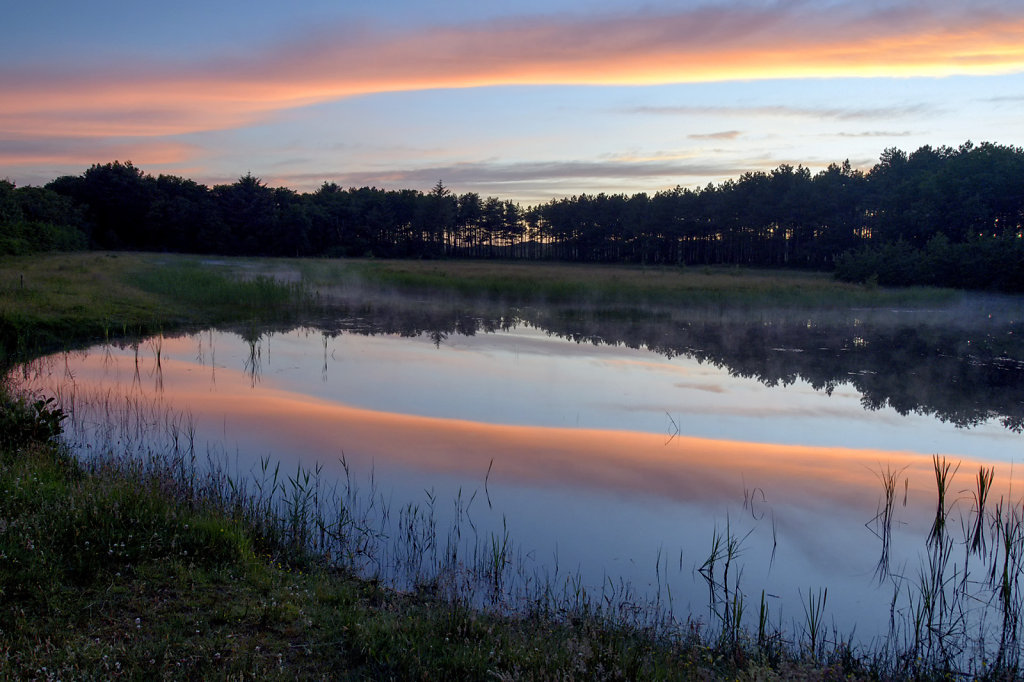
x=612, y=443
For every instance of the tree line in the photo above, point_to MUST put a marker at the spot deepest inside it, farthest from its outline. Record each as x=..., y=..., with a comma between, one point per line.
x=944, y=215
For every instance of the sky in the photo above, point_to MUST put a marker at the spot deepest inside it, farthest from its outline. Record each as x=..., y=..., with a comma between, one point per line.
x=525, y=101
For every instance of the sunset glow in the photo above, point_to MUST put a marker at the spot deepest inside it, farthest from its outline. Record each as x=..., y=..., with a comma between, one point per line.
x=262, y=101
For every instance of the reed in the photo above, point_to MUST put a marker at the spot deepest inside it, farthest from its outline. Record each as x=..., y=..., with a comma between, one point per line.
x=983, y=485
x=944, y=473
x=814, y=611
x=881, y=524
x=726, y=600
x=762, y=624
x=1005, y=575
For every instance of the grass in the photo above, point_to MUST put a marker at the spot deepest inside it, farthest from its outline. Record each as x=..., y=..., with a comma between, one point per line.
x=53, y=301
x=883, y=520
x=618, y=284
x=957, y=618
x=219, y=295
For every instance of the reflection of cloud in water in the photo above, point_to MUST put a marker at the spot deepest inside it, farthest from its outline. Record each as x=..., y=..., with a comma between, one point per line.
x=710, y=388
x=631, y=464
x=760, y=411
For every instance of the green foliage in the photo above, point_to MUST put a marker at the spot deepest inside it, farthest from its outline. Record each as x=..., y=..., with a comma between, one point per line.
x=24, y=421
x=897, y=264
x=33, y=219
x=22, y=238
x=993, y=263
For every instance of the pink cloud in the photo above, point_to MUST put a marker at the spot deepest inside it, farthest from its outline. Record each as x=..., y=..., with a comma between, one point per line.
x=785, y=40
x=84, y=152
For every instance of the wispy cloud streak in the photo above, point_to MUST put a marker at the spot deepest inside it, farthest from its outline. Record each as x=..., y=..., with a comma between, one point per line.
x=473, y=174
x=827, y=113
x=710, y=43
x=722, y=135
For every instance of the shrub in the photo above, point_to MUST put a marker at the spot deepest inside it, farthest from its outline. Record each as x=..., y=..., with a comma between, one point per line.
x=24, y=421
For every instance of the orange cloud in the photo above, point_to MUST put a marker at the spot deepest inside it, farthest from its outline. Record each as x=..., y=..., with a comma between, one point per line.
x=74, y=152
x=706, y=44
x=644, y=465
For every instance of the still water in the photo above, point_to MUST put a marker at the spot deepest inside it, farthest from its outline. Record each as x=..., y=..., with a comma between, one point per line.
x=612, y=448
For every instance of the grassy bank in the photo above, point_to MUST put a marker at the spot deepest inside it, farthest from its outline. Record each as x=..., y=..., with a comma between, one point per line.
x=54, y=301
x=619, y=284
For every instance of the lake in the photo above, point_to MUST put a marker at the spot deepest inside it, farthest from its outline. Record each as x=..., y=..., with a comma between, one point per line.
x=610, y=449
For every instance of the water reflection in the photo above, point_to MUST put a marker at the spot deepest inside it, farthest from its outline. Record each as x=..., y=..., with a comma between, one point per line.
x=603, y=454
x=963, y=364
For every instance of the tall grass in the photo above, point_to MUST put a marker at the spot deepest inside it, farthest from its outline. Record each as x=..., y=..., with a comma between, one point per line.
x=883, y=519
x=982, y=489
x=347, y=522
x=211, y=289
x=960, y=618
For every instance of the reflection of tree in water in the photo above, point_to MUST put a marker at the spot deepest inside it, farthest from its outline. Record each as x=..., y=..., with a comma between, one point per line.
x=254, y=360
x=960, y=375
x=961, y=371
